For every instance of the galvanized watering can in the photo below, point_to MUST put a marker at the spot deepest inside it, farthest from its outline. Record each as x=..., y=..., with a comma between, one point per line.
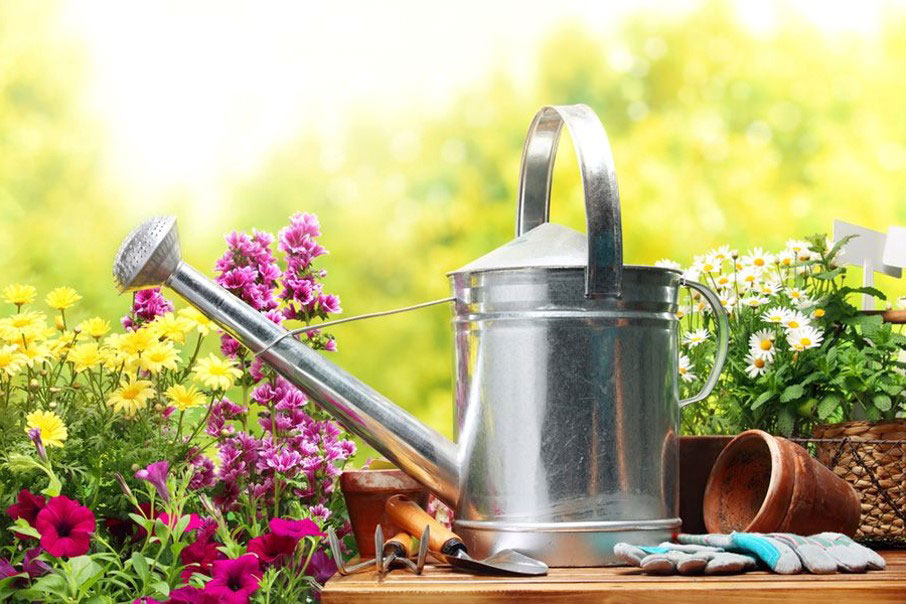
x=567, y=405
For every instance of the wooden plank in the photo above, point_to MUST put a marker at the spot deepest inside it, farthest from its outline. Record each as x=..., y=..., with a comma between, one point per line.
x=605, y=585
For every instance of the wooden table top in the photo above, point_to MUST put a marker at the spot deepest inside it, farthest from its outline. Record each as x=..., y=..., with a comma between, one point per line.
x=620, y=584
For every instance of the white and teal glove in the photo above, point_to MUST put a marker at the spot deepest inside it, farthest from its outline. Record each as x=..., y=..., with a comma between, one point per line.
x=782, y=553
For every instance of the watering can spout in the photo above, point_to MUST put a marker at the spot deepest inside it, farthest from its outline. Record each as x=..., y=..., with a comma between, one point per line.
x=150, y=257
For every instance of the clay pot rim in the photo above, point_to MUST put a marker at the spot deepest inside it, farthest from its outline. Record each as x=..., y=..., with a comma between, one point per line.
x=778, y=488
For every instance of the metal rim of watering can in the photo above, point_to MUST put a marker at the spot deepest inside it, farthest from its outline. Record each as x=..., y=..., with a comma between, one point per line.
x=604, y=272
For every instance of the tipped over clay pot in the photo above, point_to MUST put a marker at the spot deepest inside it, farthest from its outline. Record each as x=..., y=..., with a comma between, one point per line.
x=762, y=483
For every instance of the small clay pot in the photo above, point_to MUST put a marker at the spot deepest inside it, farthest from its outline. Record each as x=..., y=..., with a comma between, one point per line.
x=366, y=492
x=762, y=483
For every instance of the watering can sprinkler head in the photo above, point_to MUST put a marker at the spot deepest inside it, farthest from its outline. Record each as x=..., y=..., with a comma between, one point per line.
x=148, y=255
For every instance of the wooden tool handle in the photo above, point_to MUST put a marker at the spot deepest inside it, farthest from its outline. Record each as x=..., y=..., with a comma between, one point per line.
x=889, y=316
x=409, y=516
x=404, y=541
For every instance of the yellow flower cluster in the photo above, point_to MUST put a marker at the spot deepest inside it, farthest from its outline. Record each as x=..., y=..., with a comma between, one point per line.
x=137, y=360
x=53, y=431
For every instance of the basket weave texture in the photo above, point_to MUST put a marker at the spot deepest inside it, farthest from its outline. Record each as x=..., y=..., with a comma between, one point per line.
x=872, y=458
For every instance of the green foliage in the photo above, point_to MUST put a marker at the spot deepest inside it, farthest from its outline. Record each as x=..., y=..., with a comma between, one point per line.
x=800, y=352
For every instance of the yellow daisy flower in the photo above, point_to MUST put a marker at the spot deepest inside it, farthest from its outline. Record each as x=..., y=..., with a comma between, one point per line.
x=96, y=327
x=171, y=327
x=86, y=356
x=11, y=360
x=36, y=353
x=27, y=320
x=53, y=431
x=62, y=298
x=162, y=355
x=19, y=294
x=200, y=322
x=131, y=396
x=216, y=373
x=185, y=398
x=138, y=341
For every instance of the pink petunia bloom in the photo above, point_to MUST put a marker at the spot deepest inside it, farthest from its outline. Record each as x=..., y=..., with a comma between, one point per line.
x=195, y=595
x=65, y=527
x=156, y=474
x=271, y=548
x=199, y=556
x=295, y=528
x=27, y=506
x=239, y=576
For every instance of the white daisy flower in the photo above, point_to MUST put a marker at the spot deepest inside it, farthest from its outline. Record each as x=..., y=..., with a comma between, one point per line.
x=758, y=258
x=755, y=301
x=694, y=338
x=795, y=294
x=685, y=370
x=804, y=338
x=680, y=313
x=723, y=281
x=756, y=365
x=667, y=263
x=785, y=258
x=770, y=288
x=711, y=264
x=795, y=319
x=798, y=246
x=749, y=277
x=703, y=307
x=692, y=274
x=727, y=301
x=761, y=343
x=722, y=253
x=775, y=315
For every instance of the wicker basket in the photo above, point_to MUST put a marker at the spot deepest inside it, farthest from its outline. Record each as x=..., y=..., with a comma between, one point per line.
x=872, y=458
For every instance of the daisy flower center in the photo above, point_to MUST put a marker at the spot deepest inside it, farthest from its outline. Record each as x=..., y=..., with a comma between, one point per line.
x=794, y=323
x=759, y=262
x=805, y=341
x=759, y=363
x=766, y=344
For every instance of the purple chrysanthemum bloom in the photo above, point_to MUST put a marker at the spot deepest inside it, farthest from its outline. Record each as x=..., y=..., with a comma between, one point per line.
x=147, y=305
x=284, y=461
x=156, y=474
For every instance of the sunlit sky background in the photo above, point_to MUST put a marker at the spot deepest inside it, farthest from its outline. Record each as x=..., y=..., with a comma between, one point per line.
x=193, y=95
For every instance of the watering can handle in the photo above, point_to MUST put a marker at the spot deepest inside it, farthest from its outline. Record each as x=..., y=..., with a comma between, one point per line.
x=604, y=274
x=723, y=342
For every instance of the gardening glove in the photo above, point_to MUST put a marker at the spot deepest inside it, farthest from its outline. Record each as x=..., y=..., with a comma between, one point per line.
x=786, y=553
x=675, y=558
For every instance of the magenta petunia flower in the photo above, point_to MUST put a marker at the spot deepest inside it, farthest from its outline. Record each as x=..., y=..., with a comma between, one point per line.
x=27, y=506
x=195, y=595
x=65, y=527
x=156, y=474
x=239, y=576
x=321, y=566
x=271, y=548
x=295, y=528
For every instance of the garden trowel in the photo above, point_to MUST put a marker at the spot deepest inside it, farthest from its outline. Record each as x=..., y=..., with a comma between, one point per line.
x=447, y=546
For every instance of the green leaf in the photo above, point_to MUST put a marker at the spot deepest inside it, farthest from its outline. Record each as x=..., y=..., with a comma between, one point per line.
x=785, y=421
x=882, y=402
x=52, y=584
x=162, y=588
x=83, y=568
x=7, y=587
x=141, y=567
x=828, y=405
x=843, y=241
x=829, y=275
x=792, y=393
x=22, y=527
x=16, y=462
x=762, y=399
x=871, y=291
x=54, y=486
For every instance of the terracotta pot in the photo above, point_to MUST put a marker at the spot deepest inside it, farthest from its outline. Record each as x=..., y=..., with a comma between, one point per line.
x=762, y=483
x=366, y=492
x=697, y=457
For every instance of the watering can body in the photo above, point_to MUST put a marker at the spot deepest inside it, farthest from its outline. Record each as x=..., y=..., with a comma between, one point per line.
x=566, y=394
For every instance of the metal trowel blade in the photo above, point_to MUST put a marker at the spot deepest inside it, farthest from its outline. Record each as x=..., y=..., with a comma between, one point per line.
x=506, y=561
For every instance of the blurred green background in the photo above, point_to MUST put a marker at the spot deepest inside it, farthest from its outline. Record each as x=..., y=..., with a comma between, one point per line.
x=724, y=130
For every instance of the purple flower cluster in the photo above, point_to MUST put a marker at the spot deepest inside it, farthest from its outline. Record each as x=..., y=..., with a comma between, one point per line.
x=147, y=305
x=249, y=270
x=303, y=292
x=294, y=447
